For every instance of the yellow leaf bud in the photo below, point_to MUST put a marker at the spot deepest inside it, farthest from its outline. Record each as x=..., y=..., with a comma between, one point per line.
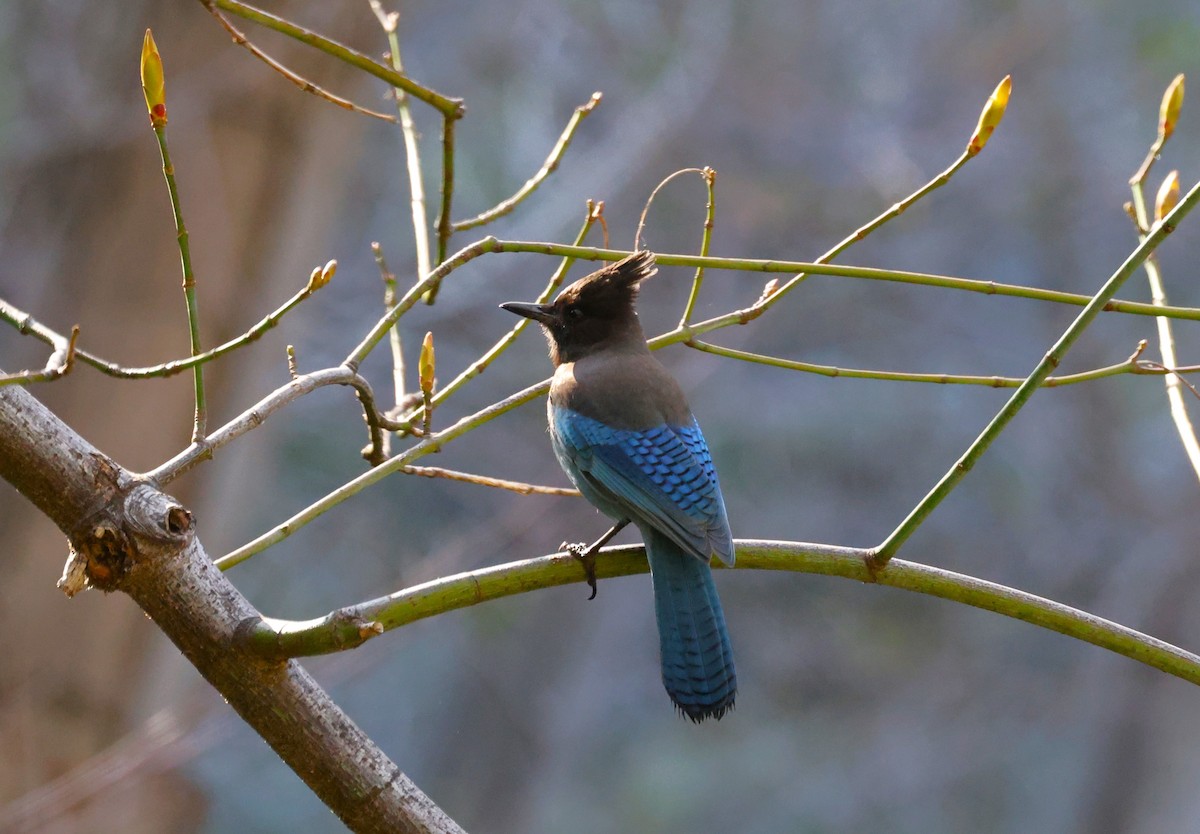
x=1168, y=196
x=153, y=86
x=992, y=113
x=427, y=364
x=1168, y=112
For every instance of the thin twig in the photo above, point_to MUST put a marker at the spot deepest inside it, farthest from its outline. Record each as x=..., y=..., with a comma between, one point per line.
x=248, y=420
x=710, y=182
x=414, y=294
x=1051, y=360
x=27, y=325
x=993, y=112
x=444, y=227
x=303, y=83
x=484, y=480
x=200, y=418
x=59, y=363
x=427, y=446
x=1173, y=381
x=389, y=299
x=595, y=213
x=1168, y=116
x=1172, y=100
x=1132, y=365
x=548, y=167
x=641, y=226
x=389, y=22
x=450, y=107
x=896, y=210
x=491, y=245
x=899, y=208
x=375, y=452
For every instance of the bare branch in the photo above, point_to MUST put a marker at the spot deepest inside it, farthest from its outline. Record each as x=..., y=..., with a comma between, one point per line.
x=339, y=629
x=58, y=364
x=484, y=480
x=450, y=107
x=303, y=83
x=548, y=167
x=132, y=538
x=27, y=325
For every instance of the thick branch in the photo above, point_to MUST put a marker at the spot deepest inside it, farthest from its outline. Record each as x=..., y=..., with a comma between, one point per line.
x=348, y=627
x=128, y=536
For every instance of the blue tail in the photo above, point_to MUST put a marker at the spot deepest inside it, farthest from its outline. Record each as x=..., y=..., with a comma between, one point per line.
x=697, y=661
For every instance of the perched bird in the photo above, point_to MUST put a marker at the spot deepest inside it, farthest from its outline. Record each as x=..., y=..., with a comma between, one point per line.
x=622, y=430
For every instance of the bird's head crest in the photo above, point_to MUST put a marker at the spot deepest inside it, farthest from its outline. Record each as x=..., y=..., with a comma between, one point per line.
x=594, y=312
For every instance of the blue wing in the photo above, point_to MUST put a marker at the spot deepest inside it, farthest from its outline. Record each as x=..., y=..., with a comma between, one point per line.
x=662, y=477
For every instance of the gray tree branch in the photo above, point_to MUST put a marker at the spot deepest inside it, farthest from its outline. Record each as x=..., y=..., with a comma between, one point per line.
x=127, y=536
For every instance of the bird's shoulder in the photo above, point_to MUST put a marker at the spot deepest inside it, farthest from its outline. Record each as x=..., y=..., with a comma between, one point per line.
x=624, y=391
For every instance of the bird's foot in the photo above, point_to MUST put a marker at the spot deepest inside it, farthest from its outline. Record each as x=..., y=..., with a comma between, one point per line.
x=587, y=557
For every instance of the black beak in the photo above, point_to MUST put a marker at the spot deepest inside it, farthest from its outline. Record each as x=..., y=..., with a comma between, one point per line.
x=542, y=313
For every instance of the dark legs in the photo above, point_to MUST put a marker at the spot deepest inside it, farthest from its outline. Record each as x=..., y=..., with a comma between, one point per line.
x=587, y=555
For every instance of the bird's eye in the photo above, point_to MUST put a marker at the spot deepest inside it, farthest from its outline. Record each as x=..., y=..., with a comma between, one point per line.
x=574, y=313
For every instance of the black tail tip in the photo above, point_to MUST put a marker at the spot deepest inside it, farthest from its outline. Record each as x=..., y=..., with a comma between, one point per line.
x=699, y=712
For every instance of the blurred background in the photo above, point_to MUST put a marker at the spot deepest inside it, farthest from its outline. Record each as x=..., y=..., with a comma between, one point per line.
x=860, y=708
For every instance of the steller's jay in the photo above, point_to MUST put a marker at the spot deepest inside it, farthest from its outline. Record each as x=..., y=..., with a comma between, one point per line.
x=623, y=432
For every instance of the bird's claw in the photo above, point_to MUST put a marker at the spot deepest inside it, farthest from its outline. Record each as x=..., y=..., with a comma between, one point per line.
x=587, y=557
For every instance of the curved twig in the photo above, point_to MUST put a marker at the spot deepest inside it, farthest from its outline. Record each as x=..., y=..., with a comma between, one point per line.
x=450, y=107
x=303, y=83
x=548, y=167
x=348, y=627
x=1133, y=365
x=59, y=363
x=27, y=325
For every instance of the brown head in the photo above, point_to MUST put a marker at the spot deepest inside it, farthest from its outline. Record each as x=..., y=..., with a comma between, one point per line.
x=595, y=313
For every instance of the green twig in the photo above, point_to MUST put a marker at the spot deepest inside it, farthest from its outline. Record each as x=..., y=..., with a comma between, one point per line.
x=200, y=421
x=1166, y=345
x=836, y=270
x=531, y=185
x=413, y=295
x=389, y=21
x=254, y=417
x=449, y=107
x=303, y=83
x=1158, y=295
x=710, y=182
x=1051, y=360
x=366, y=479
x=444, y=227
x=483, y=480
x=490, y=245
x=430, y=443
x=27, y=325
x=591, y=253
x=989, y=120
x=594, y=213
x=389, y=299
x=1168, y=118
x=638, y=243
x=349, y=627
x=897, y=209
x=1132, y=365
